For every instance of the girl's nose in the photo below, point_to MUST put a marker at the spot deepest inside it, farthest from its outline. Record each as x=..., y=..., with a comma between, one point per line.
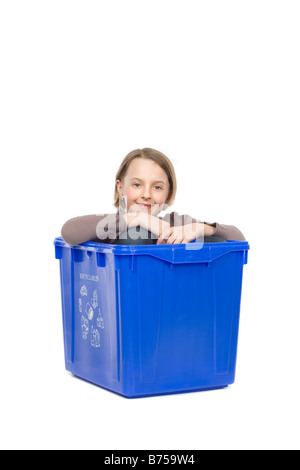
x=147, y=193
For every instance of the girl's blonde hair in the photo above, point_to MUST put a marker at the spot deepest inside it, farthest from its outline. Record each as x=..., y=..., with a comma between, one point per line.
x=156, y=157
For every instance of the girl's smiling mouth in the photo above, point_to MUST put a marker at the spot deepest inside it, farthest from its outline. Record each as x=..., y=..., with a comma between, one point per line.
x=145, y=206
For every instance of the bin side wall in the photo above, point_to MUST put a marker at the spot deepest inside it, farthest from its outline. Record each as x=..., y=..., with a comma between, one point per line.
x=180, y=321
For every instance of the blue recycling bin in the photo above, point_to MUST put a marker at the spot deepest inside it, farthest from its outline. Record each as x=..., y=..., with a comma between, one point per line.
x=152, y=319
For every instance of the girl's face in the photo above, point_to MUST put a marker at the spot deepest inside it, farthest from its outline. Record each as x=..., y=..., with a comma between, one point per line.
x=145, y=185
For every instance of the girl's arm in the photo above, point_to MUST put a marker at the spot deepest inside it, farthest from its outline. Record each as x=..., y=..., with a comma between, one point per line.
x=187, y=229
x=80, y=229
x=228, y=232
x=92, y=228
x=181, y=228
x=189, y=232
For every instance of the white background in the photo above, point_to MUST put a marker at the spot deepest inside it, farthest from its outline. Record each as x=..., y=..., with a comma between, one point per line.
x=215, y=86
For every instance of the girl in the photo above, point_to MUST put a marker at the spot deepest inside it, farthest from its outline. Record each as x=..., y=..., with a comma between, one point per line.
x=145, y=186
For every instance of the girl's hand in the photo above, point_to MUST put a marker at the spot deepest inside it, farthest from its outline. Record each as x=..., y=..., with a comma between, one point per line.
x=132, y=219
x=146, y=221
x=182, y=234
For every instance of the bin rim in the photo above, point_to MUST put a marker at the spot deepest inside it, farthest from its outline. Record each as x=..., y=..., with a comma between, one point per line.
x=172, y=253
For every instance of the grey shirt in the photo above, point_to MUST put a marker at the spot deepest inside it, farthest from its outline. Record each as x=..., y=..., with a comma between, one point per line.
x=105, y=228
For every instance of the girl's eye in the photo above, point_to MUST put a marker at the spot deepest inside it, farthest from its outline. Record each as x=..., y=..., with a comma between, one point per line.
x=137, y=185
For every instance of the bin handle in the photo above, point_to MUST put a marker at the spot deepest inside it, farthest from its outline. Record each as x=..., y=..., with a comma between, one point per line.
x=206, y=254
